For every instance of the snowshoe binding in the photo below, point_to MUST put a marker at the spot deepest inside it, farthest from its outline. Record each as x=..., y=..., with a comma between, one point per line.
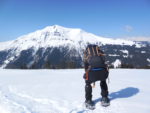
x=89, y=104
x=105, y=101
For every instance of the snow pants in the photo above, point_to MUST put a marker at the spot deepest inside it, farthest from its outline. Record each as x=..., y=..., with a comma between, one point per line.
x=88, y=89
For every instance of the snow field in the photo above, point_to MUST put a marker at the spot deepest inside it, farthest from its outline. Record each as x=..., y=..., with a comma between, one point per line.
x=62, y=91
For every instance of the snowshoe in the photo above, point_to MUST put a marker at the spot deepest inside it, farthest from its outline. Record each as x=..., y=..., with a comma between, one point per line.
x=89, y=104
x=105, y=101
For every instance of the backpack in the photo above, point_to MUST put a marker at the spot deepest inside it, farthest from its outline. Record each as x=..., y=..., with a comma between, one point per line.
x=97, y=69
x=94, y=57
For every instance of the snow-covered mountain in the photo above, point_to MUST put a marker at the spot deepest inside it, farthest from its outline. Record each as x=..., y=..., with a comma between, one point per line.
x=57, y=46
x=55, y=36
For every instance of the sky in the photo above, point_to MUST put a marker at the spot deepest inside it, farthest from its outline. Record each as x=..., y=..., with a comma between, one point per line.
x=107, y=18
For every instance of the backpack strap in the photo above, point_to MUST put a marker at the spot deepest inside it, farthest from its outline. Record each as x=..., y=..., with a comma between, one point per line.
x=97, y=50
x=87, y=73
x=100, y=53
x=89, y=52
x=93, y=51
x=85, y=55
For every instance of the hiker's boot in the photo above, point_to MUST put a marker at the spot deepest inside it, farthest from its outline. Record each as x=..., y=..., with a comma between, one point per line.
x=105, y=101
x=89, y=104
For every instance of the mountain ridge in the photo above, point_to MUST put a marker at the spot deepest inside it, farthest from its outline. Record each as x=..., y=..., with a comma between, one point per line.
x=74, y=35
x=38, y=49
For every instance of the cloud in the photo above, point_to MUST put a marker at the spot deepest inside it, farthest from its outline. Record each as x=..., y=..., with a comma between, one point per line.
x=128, y=28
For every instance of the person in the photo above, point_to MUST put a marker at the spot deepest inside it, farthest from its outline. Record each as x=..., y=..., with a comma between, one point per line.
x=95, y=70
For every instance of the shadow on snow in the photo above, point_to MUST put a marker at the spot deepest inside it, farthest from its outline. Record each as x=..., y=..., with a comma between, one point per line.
x=123, y=93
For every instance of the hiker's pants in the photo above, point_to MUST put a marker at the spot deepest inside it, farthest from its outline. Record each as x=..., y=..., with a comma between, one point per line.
x=88, y=89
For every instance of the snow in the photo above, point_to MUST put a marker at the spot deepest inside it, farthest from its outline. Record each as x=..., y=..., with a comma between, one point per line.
x=125, y=51
x=148, y=59
x=62, y=91
x=143, y=51
x=116, y=63
x=125, y=56
x=139, y=45
x=114, y=55
x=5, y=45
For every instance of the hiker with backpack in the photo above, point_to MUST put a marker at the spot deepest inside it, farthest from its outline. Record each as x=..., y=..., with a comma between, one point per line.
x=95, y=70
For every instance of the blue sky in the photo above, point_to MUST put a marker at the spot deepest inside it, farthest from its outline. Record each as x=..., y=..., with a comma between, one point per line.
x=108, y=18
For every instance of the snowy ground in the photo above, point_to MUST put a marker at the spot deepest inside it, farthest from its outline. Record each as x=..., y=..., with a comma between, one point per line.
x=62, y=91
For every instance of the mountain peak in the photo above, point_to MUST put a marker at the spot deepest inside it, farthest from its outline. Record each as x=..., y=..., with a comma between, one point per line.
x=56, y=35
x=57, y=26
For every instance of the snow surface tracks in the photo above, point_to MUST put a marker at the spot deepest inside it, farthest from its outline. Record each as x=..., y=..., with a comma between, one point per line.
x=14, y=102
x=11, y=101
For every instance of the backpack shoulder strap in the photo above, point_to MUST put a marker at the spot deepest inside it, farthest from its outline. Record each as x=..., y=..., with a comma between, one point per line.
x=88, y=50
x=97, y=50
x=93, y=51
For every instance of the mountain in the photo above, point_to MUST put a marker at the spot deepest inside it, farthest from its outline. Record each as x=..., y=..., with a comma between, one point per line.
x=60, y=47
